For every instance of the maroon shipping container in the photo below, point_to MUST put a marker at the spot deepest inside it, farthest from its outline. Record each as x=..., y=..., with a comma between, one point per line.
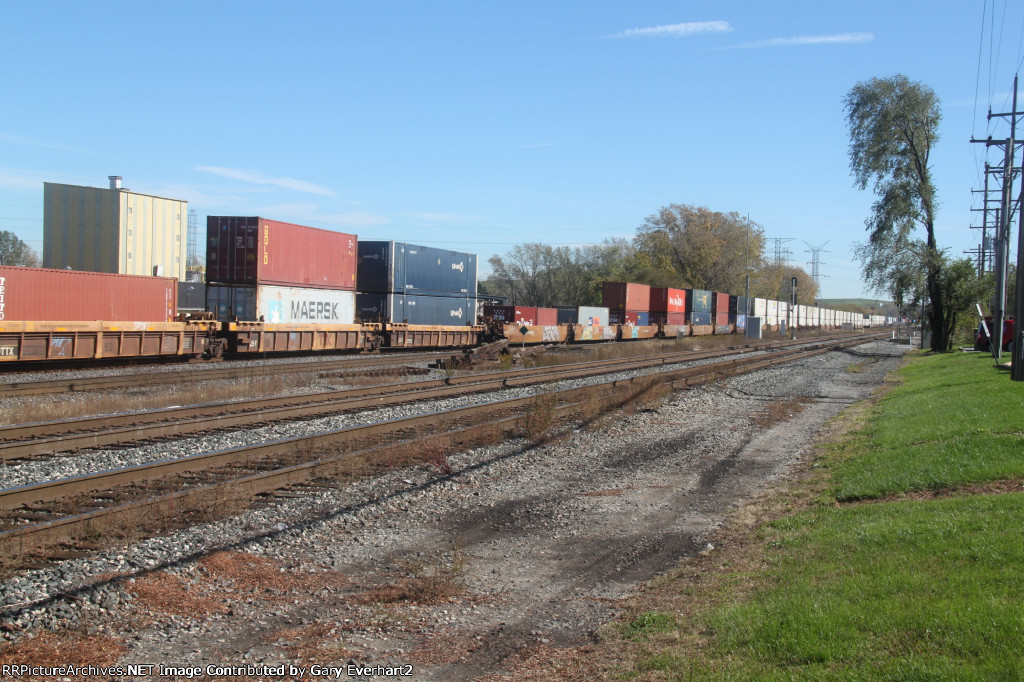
x=626, y=296
x=242, y=250
x=667, y=318
x=668, y=300
x=719, y=303
x=46, y=295
x=547, y=317
x=512, y=313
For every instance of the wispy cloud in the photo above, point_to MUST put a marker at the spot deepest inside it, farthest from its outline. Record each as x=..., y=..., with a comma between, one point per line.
x=310, y=214
x=258, y=178
x=798, y=41
x=448, y=218
x=677, y=30
x=43, y=144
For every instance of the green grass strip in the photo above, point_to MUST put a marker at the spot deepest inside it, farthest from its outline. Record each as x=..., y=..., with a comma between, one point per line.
x=902, y=591
x=953, y=422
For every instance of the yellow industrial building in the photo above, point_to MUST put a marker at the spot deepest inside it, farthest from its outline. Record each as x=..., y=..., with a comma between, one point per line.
x=114, y=230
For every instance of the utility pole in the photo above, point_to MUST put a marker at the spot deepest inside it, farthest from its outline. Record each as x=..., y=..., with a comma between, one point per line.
x=1007, y=208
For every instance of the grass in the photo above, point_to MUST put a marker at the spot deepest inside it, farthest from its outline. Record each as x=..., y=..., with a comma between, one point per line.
x=952, y=422
x=897, y=558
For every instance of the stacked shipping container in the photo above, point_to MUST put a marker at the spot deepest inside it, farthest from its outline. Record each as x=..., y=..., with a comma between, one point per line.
x=258, y=268
x=627, y=302
x=698, y=303
x=421, y=285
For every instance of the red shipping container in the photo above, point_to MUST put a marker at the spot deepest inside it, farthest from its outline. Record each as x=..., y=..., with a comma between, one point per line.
x=721, y=317
x=512, y=313
x=667, y=318
x=48, y=295
x=720, y=303
x=547, y=317
x=668, y=300
x=243, y=250
x=626, y=296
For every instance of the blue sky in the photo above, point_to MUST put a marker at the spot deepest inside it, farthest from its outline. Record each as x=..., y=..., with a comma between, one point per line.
x=476, y=125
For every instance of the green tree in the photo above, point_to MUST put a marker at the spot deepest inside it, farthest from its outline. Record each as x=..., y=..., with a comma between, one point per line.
x=697, y=247
x=893, y=125
x=13, y=251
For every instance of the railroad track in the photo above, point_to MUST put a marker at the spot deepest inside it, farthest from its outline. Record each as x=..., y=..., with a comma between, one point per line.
x=45, y=439
x=45, y=515
x=194, y=374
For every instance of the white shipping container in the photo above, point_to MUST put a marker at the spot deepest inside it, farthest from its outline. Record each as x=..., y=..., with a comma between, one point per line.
x=760, y=307
x=773, y=308
x=300, y=305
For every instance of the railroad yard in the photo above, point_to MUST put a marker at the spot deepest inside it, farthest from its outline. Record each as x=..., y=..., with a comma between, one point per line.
x=392, y=528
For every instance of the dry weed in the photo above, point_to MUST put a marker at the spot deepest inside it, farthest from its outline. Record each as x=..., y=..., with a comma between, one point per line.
x=64, y=649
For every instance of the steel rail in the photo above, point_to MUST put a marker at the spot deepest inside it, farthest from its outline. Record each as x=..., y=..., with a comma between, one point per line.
x=46, y=438
x=13, y=498
x=38, y=535
x=110, y=381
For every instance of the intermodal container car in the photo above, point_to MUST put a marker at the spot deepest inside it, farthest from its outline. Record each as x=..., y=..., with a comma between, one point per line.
x=401, y=268
x=448, y=311
x=252, y=251
x=49, y=295
x=271, y=303
x=626, y=296
x=667, y=300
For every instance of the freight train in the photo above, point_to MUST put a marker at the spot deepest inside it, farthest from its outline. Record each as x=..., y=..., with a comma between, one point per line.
x=274, y=287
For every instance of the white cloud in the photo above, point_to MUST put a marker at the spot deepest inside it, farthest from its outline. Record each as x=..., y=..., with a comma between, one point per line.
x=797, y=41
x=310, y=214
x=446, y=217
x=32, y=142
x=258, y=178
x=677, y=30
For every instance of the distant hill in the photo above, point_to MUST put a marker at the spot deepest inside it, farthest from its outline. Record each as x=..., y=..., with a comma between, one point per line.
x=861, y=305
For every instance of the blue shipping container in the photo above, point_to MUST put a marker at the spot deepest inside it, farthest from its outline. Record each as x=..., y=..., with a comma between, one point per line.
x=699, y=317
x=448, y=311
x=401, y=268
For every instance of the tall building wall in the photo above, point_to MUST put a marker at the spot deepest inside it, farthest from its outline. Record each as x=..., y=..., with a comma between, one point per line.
x=113, y=230
x=80, y=226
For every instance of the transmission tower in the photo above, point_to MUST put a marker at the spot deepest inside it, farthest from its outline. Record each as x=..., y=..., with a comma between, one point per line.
x=816, y=263
x=782, y=254
x=192, y=265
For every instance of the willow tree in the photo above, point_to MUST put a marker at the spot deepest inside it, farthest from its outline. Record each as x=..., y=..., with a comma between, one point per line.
x=893, y=125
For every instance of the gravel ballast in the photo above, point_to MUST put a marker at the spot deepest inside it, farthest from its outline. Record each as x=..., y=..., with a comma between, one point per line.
x=456, y=575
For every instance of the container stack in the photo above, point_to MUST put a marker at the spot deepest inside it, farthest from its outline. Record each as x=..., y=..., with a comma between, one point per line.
x=627, y=303
x=720, y=309
x=586, y=315
x=667, y=306
x=513, y=314
x=420, y=285
x=266, y=270
x=698, y=303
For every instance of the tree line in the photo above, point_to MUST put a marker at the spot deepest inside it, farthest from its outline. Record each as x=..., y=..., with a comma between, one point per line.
x=680, y=246
x=13, y=251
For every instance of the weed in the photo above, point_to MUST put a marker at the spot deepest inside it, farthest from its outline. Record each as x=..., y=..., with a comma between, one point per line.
x=434, y=452
x=426, y=582
x=539, y=418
